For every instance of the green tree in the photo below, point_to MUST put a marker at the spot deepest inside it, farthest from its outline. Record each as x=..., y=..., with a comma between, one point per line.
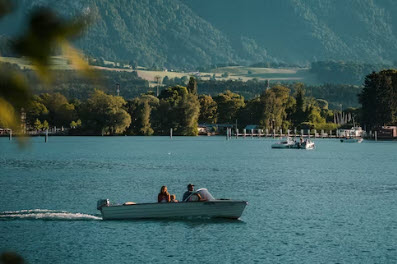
x=140, y=109
x=228, y=105
x=46, y=125
x=37, y=125
x=379, y=99
x=299, y=114
x=276, y=101
x=208, y=109
x=35, y=109
x=61, y=112
x=192, y=86
x=178, y=110
x=105, y=114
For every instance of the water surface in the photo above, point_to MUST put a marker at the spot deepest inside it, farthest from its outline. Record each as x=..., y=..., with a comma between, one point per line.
x=335, y=204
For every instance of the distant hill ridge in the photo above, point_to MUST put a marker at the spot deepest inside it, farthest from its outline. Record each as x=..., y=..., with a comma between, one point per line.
x=190, y=33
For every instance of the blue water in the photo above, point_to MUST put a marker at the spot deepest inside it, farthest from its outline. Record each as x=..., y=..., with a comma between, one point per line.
x=335, y=204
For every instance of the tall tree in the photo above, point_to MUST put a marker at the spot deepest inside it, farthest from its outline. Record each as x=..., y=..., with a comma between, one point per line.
x=379, y=99
x=299, y=115
x=192, y=85
x=105, y=114
x=178, y=110
x=228, y=105
x=208, y=109
x=140, y=110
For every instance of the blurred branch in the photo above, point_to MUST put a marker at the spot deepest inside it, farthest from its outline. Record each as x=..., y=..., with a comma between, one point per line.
x=47, y=34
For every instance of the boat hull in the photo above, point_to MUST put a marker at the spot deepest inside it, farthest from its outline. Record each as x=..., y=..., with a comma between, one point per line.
x=351, y=140
x=218, y=208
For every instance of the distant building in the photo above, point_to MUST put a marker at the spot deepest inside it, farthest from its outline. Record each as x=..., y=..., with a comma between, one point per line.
x=249, y=127
x=352, y=132
x=387, y=132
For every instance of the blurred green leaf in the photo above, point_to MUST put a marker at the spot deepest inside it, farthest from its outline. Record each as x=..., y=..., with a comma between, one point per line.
x=48, y=33
x=6, y=7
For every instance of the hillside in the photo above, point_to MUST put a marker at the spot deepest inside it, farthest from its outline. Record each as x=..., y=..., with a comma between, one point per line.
x=186, y=34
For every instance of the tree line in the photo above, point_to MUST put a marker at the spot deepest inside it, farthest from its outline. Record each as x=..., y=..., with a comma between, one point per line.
x=180, y=108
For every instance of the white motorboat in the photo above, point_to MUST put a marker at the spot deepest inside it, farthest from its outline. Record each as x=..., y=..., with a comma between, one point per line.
x=284, y=144
x=205, y=206
x=291, y=144
x=307, y=144
x=351, y=140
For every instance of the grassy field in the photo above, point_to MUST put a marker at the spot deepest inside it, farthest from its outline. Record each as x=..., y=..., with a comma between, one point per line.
x=233, y=72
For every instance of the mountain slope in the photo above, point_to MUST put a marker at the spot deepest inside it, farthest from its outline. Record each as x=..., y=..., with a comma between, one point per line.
x=191, y=33
x=309, y=30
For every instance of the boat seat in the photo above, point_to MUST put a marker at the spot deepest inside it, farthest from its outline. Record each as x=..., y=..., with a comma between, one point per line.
x=129, y=203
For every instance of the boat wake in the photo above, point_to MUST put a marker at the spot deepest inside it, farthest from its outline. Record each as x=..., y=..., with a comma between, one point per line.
x=44, y=214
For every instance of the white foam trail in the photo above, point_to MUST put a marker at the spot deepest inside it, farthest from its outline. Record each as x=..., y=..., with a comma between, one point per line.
x=45, y=214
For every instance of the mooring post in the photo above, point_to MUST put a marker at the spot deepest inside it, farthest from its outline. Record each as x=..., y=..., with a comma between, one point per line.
x=252, y=133
x=170, y=133
x=376, y=135
x=274, y=133
x=295, y=132
x=46, y=136
x=236, y=132
x=302, y=133
x=10, y=135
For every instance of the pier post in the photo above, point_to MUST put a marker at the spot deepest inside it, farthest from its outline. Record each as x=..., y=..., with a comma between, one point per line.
x=274, y=133
x=302, y=133
x=236, y=132
x=46, y=136
x=281, y=132
x=267, y=132
x=252, y=133
x=322, y=133
x=170, y=133
x=245, y=132
x=10, y=135
x=315, y=132
x=376, y=135
x=370, y=134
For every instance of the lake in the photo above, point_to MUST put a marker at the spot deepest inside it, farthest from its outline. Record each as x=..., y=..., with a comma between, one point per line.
x=334, y=204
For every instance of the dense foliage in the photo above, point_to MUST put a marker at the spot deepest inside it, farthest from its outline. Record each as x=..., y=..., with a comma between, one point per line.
x=379, y=99
x=343, y=72
x=179, y=108
x=191, y=33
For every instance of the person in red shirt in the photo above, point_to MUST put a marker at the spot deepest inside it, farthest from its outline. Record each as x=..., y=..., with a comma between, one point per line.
x=164, y=196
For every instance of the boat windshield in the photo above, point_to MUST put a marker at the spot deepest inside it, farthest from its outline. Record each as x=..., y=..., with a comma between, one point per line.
x=204, y=194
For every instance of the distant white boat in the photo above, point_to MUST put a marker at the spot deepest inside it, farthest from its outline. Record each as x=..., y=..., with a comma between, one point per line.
x=351, y=140
x=208, y=206
x=307, y=144
x=288, y=143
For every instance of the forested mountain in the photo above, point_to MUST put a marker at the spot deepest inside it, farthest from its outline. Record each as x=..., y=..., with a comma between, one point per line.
x=191, y=33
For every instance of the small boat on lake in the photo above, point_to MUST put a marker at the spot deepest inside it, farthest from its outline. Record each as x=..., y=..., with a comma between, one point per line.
x=284, y=144
x=200, y=204
x=291, y=144
x=351, y=140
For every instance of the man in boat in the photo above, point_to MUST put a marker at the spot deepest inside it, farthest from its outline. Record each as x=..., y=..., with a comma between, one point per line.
x=190, y=190
x=187, y=197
